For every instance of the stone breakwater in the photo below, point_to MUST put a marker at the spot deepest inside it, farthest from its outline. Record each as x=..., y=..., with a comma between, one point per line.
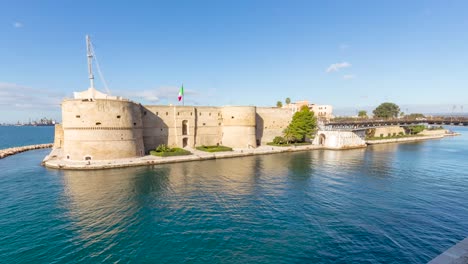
x=12, y=151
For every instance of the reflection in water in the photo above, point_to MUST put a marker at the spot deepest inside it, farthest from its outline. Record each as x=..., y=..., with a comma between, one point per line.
x=378, y=204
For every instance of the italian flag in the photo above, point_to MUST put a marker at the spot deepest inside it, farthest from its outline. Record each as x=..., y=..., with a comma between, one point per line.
x=181, y=93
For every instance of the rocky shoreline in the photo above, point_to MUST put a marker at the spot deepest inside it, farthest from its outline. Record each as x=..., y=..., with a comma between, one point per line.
x=12, y=151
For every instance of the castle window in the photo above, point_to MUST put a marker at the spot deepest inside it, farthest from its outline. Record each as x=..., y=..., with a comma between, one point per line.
x=77, y=116
x=200, y=113
x=204, y=124
x=68, y=156
x=210, y=114
x=87, y=157
x=167, y=113
x=232, y=117
x=98, y=123
x=118, y=116
x=191, y=113
x=134, y=124
x=144, y=113
x=219, y=124
x=177, y=113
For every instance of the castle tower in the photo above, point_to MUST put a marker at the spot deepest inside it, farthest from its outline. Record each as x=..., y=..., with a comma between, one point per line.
x=101, y=129
x=238, y=129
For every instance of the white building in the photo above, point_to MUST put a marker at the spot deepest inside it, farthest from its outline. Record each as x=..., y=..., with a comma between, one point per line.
x=320, y=111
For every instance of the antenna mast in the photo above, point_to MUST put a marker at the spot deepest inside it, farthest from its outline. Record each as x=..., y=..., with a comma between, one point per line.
x=90, y=61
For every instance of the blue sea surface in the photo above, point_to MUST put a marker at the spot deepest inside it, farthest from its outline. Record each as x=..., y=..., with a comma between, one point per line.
x=17, y=136
x=393, y=203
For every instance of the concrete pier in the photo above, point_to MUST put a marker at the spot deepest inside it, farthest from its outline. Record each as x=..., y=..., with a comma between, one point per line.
x=11, y=151
x=457, y=254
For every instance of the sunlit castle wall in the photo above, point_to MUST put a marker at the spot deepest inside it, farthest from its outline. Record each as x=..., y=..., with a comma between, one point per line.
x=209, y=129
x=238, y=127
x=271, y=122
x=101, y=129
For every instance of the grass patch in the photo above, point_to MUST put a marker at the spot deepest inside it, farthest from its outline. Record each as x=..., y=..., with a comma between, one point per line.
x=170, y=152
x=288, y=145
x=214, y=148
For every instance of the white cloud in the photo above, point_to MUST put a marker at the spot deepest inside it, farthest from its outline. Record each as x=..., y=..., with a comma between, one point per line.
x=337, y=66
x=349, y=76
x=344, y=47
x=17, y=25
x=17, y=97
x=168, y=93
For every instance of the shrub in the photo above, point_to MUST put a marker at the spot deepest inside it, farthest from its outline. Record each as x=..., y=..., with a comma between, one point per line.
x=279, y=140
x=165, y=151
x=416, y=129
x=214, y=148
x=163, y=148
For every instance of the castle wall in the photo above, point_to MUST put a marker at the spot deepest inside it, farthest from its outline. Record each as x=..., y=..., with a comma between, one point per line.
x=101, y=129
x=388, y=131
x=58, y=136
x=238, y=127
x=209, y=122
x=271, y=122
x=165, y=125
x=110, y=129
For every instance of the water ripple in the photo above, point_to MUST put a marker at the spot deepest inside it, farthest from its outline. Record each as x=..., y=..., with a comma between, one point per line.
x=386, y=204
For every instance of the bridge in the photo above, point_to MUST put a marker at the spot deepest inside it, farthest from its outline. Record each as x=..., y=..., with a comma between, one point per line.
x=357, y=124
x=351, y=132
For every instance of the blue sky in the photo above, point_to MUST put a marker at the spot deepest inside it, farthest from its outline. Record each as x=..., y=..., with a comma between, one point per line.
x=350, y=54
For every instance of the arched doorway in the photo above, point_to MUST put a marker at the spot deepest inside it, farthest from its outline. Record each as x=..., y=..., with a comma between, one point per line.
x=184, y=127
x=322, y=139
x=184, y=142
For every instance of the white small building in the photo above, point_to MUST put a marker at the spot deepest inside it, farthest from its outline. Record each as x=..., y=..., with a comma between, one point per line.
x=320, y=111
x=92, y=94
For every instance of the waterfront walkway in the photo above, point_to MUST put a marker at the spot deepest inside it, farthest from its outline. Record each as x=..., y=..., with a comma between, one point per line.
x=51, y=161
x=457, y=254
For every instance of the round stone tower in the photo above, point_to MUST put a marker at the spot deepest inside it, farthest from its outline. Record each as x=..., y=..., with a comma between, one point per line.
x=238, y=128
x=101, y=129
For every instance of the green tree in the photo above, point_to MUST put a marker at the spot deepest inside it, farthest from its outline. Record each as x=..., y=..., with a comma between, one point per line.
x=279, y=104
x=288, y=100
x=362, y=114
x=303, y=124
x=415, y=115
x=416, y=129
x=387, y=110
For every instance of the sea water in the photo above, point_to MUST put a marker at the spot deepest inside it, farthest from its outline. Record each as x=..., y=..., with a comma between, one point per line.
x=392, y=203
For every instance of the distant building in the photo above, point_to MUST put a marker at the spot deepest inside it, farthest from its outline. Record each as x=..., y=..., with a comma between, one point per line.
x=321, y=111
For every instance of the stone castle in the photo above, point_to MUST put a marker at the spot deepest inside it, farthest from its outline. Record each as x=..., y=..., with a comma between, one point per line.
x=96, y=126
